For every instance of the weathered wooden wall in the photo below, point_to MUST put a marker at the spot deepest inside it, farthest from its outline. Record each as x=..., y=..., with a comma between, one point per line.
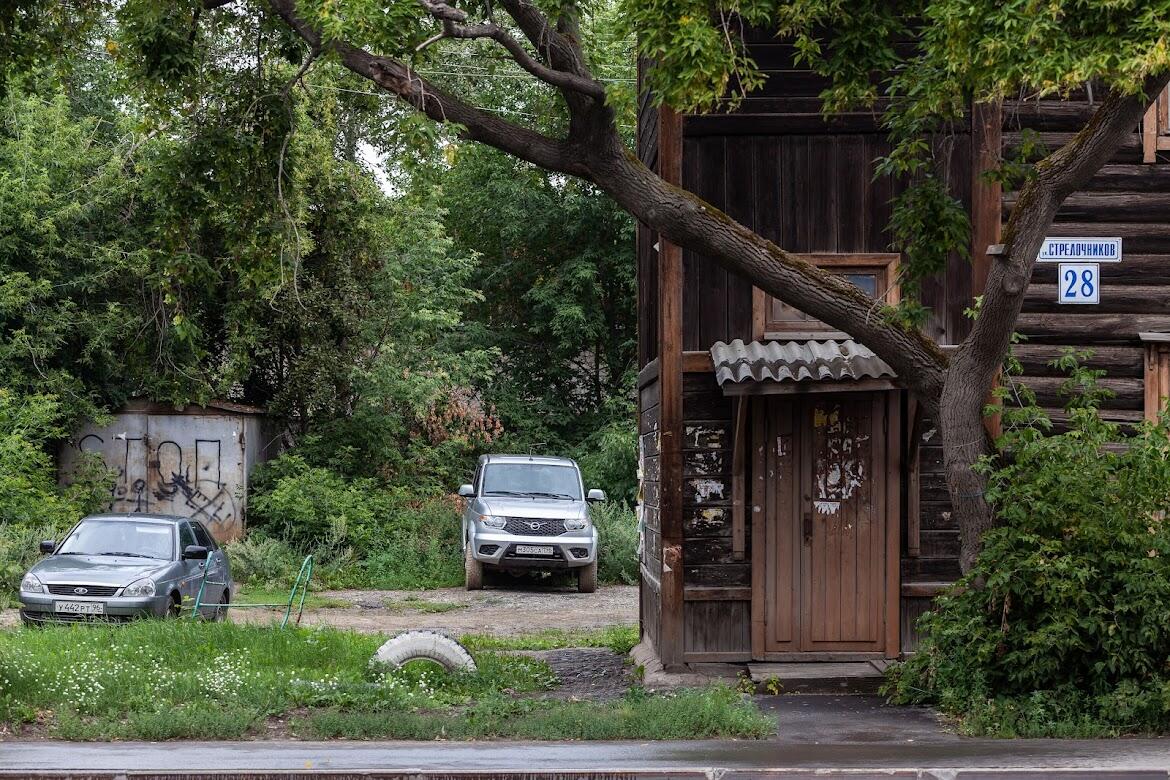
x=650, y=604
x=1128, y=199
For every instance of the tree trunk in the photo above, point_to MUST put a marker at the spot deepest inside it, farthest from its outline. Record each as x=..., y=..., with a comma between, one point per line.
x=965, y=442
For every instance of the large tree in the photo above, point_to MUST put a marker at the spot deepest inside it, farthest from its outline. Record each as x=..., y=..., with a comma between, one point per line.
x=968, y=52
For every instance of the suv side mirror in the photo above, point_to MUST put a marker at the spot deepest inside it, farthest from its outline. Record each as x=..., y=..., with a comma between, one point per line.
x=48, y=546
x=595, y=495
x=466, y=491
x=195, y=552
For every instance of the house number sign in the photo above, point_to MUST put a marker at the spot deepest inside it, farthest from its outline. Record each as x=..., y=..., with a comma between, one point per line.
x=1078, y=280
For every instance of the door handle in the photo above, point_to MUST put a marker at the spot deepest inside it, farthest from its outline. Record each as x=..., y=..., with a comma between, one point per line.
x=808, y=527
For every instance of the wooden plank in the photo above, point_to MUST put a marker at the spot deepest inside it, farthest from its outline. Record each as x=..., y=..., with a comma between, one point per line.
x=808, y=387
x=1129, y=392
x=697, y=593
x=913, y=479
x=721, y=575
x=670, y=295
x=986, y=142
x=1130, y=299
x=698, y=362
x=1150, y=134
x=1106, y=207
x=1115, y=361
x=1153, y=390
x=1087, y=329
x=760, y=550
x=1131, y=178
x=704, y=463
x=708, y=551
x=737, y=481
x=649, y=373
x=706, y=521
x=1134, y=269
x=893, y=466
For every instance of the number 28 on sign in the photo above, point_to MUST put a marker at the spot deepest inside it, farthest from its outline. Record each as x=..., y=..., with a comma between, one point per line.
x=1079, y=283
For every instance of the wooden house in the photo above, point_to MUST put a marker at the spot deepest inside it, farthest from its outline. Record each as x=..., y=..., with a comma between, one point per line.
x=793, y=502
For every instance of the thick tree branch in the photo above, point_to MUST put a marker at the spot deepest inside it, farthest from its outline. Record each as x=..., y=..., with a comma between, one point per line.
x=594, y=152
x=455, y=26
x=399, y=80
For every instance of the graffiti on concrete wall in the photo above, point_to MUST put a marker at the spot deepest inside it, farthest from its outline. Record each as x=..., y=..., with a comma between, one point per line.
x=201, y=476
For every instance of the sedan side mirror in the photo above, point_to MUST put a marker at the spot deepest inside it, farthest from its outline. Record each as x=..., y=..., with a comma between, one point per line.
x=595, y=495
x=195, y=552
x=48, y=546
x=467, y=491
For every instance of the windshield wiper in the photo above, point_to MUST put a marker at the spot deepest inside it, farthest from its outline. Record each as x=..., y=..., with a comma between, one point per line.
x=549, y=495
x=127, y=555
x=505, y=493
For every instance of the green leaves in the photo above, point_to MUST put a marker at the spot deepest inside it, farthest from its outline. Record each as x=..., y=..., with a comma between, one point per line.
x=1063, y=627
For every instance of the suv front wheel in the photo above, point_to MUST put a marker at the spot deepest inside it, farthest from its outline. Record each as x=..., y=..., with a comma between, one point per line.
x=587, y=578
x=472, y=570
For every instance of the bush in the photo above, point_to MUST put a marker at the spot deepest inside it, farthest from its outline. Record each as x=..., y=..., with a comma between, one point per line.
x=361, y=533
x=1063, y=626
x=617, y=530
x=32, y=506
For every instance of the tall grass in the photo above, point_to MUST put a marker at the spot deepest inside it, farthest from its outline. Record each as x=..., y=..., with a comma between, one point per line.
x=193, y=680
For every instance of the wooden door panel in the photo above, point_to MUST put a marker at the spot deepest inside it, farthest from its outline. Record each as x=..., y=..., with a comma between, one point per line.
x=842, y=518
x=783, y=544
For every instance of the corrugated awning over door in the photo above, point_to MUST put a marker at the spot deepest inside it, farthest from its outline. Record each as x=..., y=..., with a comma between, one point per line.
x=737, y=363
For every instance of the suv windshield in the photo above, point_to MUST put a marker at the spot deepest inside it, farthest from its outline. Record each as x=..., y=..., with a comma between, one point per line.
x=531, y=479
x=120, y=537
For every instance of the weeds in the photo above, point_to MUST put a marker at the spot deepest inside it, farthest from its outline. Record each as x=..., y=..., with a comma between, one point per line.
x=157, y=680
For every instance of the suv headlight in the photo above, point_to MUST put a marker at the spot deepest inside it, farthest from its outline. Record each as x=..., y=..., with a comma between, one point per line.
x=492, y=522
x=576, y=525
x=30, y=584
x=139, y=588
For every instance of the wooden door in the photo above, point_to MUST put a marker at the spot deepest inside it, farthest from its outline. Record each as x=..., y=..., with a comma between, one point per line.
x=827, y=522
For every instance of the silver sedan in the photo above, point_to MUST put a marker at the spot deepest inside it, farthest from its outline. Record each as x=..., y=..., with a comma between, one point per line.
x=121, y=567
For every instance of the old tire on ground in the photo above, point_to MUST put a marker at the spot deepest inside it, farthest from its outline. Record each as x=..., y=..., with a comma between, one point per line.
x=587, y=578
x=472, y=570
x=428, y=646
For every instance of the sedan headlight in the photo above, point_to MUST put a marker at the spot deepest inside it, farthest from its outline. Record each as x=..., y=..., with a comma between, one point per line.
x=576, y=525
x=492, y=522
x=30, y=584
x=139, y=588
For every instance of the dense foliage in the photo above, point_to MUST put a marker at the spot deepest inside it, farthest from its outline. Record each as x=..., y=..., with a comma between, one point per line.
x=180, y=225
x=1063, y=627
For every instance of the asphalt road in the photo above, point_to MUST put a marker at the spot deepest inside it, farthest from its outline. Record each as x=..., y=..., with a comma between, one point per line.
x=816, y=732
x=653, y=757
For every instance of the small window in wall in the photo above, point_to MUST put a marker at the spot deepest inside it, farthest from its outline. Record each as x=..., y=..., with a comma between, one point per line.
x=874, y=274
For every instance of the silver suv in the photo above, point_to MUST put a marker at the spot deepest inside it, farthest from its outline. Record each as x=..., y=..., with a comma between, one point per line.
x=529, y=512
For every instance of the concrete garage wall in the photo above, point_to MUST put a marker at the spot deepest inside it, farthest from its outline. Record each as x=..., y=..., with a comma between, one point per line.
x=193, y=462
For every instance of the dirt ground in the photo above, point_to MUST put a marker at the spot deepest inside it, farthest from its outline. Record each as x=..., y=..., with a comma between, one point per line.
x=502, y=611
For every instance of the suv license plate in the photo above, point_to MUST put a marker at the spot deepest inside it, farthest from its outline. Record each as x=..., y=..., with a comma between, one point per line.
x=80, y=607
x=534, y=549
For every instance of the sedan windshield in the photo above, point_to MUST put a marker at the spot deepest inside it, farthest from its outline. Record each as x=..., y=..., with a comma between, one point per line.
x=120, y=538
x=531, y=479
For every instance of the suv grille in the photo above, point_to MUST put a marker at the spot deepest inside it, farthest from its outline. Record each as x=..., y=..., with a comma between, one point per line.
x=91, y=590
x=524, y=526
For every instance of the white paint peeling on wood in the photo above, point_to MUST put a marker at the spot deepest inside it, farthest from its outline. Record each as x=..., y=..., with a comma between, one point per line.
x=827, y=507
x=928, y=435
x=705, y=489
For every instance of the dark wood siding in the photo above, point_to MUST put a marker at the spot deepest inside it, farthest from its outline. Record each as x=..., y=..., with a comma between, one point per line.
x=1127, y=199
x=651, y=563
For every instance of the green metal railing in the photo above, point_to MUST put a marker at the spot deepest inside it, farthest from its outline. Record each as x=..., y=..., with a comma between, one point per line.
x=300, y=586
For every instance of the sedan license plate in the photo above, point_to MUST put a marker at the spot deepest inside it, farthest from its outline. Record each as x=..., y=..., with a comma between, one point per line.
x=534, y=549
x=80, y=607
